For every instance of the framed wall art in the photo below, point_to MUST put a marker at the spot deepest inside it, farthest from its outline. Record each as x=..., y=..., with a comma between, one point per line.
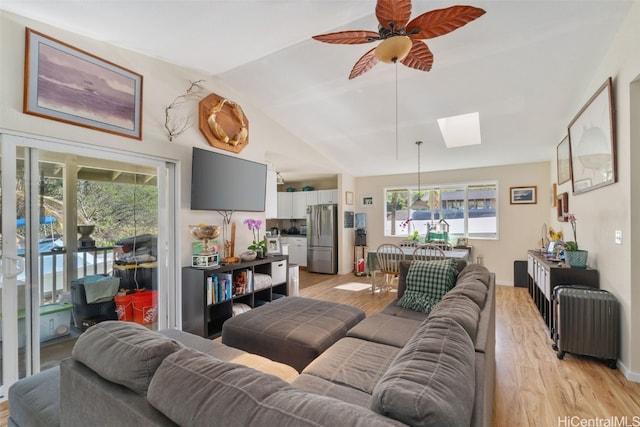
x=523, y=195
x=348, y=197
x=562, y=206
x=592, y=142
x=72, y=86
x=366, y=201
x=563, y=154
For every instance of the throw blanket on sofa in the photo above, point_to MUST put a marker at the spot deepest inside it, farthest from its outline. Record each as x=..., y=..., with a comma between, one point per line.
x=427, y=283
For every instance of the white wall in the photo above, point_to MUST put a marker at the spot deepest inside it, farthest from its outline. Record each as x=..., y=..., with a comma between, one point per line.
x=519, y=226
x=602, y=211
x=162, y=83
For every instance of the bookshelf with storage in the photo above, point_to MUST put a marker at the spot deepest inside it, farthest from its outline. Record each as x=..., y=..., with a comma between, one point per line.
x=204, y=309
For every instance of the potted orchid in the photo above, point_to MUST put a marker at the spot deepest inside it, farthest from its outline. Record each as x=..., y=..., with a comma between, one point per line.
x=575, y=257
x=260, y=246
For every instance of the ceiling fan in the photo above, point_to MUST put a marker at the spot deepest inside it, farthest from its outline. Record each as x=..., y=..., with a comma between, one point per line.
x=401, y=38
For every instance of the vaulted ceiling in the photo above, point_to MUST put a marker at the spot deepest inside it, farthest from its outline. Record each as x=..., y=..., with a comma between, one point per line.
x=524, y=66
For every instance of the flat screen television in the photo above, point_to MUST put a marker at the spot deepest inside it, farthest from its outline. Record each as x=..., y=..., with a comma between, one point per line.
x=225, y=183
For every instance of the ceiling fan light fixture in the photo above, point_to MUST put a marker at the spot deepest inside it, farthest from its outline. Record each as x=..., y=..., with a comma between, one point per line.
x=393, y=49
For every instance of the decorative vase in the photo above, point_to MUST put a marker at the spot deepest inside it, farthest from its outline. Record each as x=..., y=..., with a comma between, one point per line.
x=577, y=258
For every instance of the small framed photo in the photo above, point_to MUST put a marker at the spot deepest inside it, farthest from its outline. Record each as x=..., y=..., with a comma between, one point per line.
x=273, y=246
x=348, y=197
x=524, y=195
x=462, y=241
x=367, y=201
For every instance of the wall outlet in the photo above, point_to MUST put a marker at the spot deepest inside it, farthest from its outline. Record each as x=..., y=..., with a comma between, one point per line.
x=618, y=237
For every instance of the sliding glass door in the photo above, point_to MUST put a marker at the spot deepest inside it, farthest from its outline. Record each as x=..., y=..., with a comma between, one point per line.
x=73, y=215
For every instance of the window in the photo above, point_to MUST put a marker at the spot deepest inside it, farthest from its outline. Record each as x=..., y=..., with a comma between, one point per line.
x=470, y=210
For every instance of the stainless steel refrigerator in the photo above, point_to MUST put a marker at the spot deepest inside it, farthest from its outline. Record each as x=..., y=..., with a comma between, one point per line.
x=322, y=239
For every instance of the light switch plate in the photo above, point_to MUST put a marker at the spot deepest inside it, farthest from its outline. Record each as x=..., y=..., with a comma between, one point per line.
x=618, y=237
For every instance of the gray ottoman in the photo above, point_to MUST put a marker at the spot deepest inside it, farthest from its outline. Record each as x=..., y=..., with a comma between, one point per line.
x=292, y=330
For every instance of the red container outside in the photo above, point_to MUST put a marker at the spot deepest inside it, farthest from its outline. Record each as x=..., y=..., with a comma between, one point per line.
x=124, y=307
x=145, y=307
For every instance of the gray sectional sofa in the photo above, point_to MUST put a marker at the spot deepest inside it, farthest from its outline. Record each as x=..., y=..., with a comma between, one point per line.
x=397, y=367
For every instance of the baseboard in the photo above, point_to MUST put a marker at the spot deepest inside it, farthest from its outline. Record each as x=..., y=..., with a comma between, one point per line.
x=631, y=376
x=504, y=283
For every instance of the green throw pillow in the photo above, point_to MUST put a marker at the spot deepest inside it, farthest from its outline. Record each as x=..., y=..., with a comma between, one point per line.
x=427, y=283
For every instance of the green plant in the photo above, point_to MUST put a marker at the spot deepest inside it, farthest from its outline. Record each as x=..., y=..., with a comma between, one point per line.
x=571, y=246
x=257, y=244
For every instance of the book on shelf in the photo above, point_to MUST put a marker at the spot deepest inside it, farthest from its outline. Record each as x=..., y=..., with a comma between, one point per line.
x=223, y=290
x=209, y=290
x=242, y=280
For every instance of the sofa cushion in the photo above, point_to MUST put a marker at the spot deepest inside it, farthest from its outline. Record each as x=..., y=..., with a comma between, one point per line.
x=427, y=283
x=475, y=272
x=34, y=401
x=432, y=380
x=123, y=352
x=460, y=309
x=386, y=329
x=323, y=387
x=353, y=362
x=472, y=289
x=223, y=393
x=404, y=269
x=230, y=354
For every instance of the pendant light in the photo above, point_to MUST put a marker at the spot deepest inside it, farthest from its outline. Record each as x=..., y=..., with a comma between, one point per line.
x=419, y=204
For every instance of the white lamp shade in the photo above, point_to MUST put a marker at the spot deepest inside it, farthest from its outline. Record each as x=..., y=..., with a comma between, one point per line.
x=393, y=49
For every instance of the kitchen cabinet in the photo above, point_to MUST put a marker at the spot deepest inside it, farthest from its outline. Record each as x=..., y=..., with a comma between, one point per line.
x=299, y=205
x=298, y=250
x=271, y=200
x=327, y=197
x=312, y=198
x=285, y=205
x=292, y=205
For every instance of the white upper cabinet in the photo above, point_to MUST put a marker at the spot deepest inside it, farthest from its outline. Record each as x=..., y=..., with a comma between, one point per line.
x=271, y=201
x=299, y=205
x=285, y=205
x=292, y=205
x=327, y=197
x=312, y=198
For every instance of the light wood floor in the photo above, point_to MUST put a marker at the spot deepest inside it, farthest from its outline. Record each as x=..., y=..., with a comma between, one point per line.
x=533, y=387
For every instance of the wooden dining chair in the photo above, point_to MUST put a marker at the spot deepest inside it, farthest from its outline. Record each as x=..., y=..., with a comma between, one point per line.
x=389, y=257
x=428, y=252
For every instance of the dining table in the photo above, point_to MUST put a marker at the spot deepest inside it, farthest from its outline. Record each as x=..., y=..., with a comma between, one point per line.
x=372, y=257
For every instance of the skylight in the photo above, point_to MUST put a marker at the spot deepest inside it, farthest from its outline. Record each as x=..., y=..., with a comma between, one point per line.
x=462, y=130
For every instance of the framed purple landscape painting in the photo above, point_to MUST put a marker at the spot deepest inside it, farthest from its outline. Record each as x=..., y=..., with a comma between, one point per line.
x=69, y=85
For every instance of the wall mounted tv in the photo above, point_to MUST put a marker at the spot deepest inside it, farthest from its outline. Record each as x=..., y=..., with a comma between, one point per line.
x=224, y=183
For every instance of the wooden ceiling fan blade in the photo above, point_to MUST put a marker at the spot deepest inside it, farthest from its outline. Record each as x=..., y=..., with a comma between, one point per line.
x=397, y=12
x=364, y=64
x=348, y=37
x=419, y=57
x=442, y=21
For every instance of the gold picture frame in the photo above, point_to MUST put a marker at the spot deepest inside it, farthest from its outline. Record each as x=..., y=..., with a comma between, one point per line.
x=348, y=197
x=592, y=142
